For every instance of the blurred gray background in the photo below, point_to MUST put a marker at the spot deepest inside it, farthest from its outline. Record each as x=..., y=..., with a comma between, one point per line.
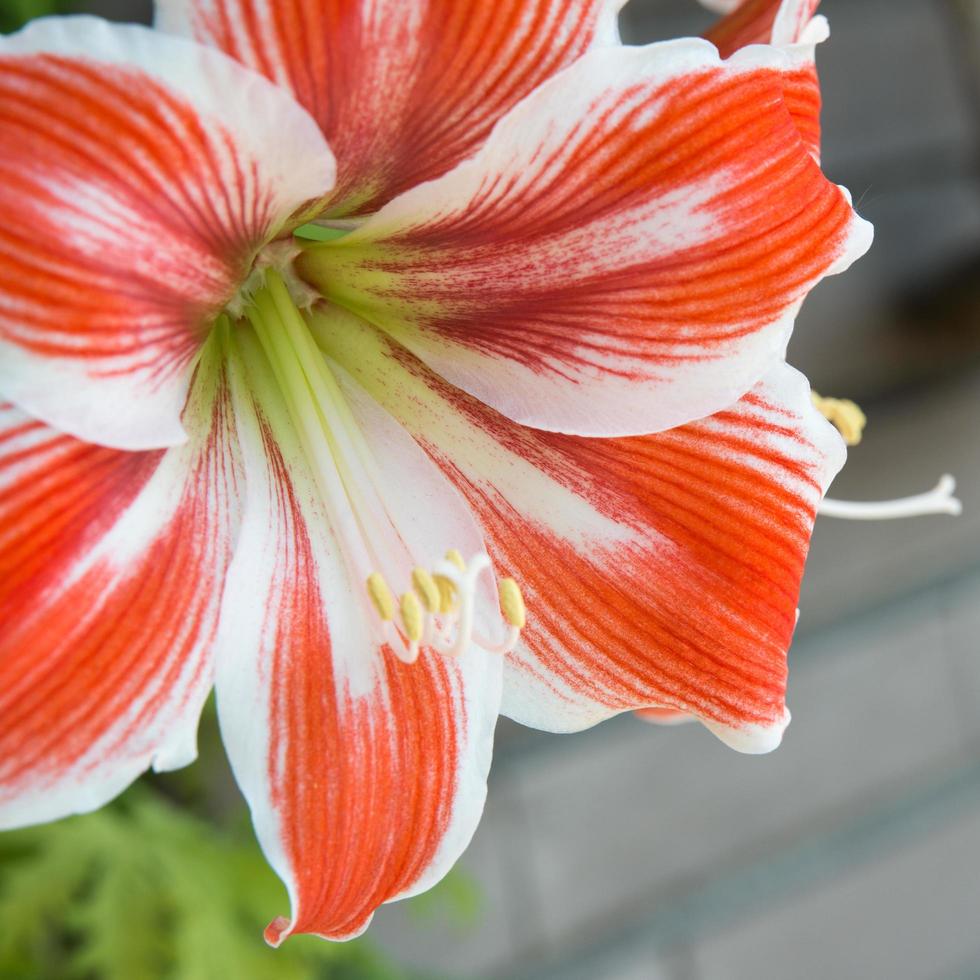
x=634, y=853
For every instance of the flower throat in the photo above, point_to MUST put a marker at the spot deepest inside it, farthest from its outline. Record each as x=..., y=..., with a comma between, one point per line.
x=438, y=607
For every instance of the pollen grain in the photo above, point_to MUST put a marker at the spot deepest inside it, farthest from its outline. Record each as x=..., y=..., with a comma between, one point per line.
x=844, y=415
x=512, y=603
x=381, y=597
x=425, y=585
x=412, y=619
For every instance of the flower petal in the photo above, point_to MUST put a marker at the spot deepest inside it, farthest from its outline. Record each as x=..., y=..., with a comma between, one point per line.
x=626, y=253
x=403, y=89
x=140, y=173
x=111, y=569
x=778, y=22
x=791, y=25
x=366, y=776
x=720, y=6
x=659, y=571
x=662, y=716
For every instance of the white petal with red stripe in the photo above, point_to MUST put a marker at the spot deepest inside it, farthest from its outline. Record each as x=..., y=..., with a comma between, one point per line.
x=403, y=89
x=792, y=26
x=778, y=22
x=365, y=774
x=659, y=571
x=626, y=253
x=111, y=570
x=140, y=175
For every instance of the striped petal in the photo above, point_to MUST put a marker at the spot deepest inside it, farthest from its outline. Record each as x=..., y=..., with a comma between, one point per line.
x=791, y=25
x=139, y=176
x=660, y=571
x=366, y=775
x=111, y=569
x=779, y=22
x=403, y=89
x=626, y=253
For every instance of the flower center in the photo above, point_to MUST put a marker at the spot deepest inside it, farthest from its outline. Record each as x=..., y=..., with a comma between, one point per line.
x=275, y=258
x=438, y=606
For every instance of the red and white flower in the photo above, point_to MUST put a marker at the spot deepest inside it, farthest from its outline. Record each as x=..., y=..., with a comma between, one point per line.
x=548, y=333
x=792, y=26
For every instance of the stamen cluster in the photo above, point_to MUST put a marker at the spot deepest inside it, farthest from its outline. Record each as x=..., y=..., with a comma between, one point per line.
x=439, y=611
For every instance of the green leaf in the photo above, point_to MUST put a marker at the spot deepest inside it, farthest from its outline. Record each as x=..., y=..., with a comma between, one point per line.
x=43, y=874
x=457, y=898
x=16, y=13
x=118, y=922
x=317, y=233
x=144, y=889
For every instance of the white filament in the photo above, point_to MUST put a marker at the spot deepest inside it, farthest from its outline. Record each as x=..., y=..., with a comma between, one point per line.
x=939, y=500
x=353, y=489
x=451, y=632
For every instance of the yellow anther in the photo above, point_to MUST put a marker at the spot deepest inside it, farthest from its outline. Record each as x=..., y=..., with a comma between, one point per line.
x=447, y=594
x=426, y=588
x=411, y=610
x=381, y=596
x=512, y=603
x=844, y=415
x=456, y=559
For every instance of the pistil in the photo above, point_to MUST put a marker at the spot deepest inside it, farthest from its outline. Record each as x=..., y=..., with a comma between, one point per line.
x=846, y=416
x=939, y=500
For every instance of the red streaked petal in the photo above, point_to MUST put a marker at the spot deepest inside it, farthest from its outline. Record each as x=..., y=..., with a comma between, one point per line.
x=627, y=252
x=403, y=89
x=111, y=570
x=793, y=22
x=659, y=570
x=365, y=776
x=139, y=175
x=778, y=22
x=801, y=92
x=788, y=24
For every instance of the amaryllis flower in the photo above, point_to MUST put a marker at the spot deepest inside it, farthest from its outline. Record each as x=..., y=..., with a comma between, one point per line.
x=544, y=340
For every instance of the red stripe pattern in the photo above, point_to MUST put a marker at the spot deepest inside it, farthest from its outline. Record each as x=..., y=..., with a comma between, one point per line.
x=801, y=91
x=779, y=22
x=640, y=232
x=111, y=567
x=698, y=612
x=131, y=215
x=403, y=89
x=762, y=22
x=660, y=570
x=363, y=785
x=365, y=776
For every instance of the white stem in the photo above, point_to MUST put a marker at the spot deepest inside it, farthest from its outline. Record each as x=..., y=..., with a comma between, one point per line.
x=466, y=589
x=406, y=654
x=510, y=641
x=937, y=501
